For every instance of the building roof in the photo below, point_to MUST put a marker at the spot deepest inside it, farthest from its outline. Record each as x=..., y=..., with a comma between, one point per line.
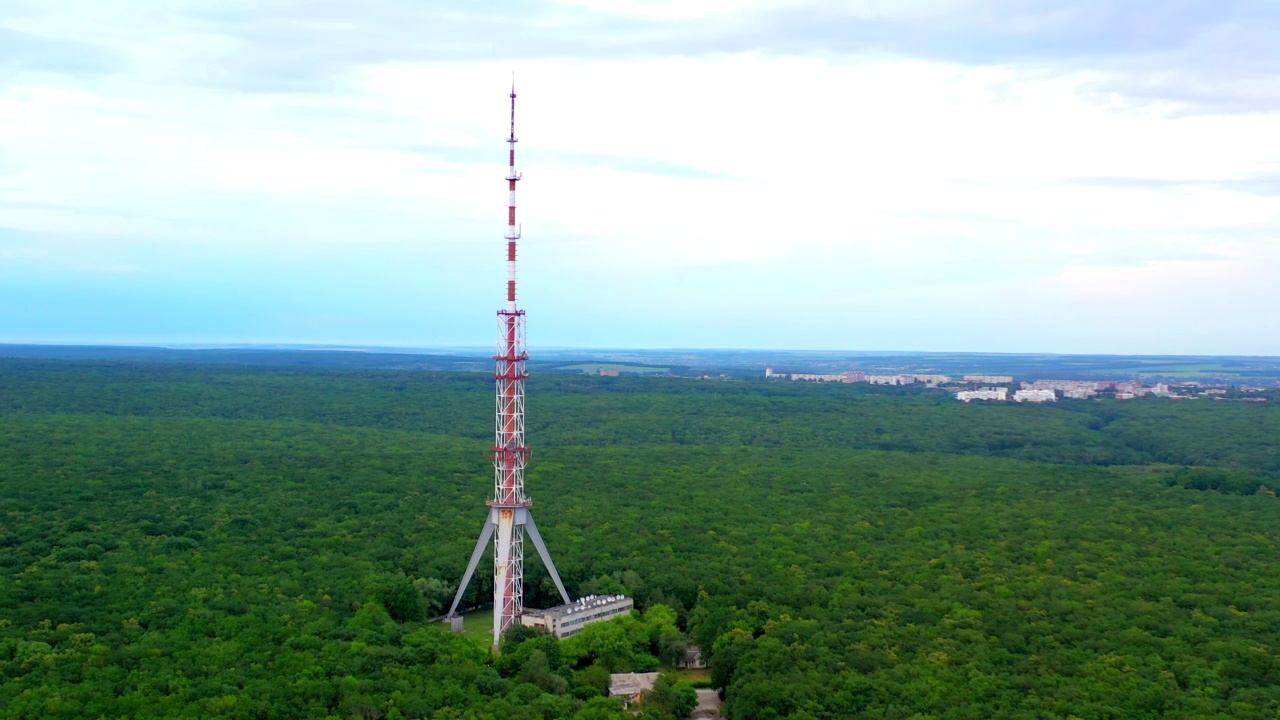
x=580, y=605
x=631, y=684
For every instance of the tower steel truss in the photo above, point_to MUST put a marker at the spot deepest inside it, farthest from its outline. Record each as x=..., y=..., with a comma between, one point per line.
x=510, y=518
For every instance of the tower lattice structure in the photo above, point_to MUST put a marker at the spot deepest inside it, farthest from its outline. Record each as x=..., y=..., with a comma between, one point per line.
x=510, y=518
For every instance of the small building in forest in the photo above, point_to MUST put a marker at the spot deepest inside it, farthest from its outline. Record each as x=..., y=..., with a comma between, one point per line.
x=631, y=686
x=692, y=659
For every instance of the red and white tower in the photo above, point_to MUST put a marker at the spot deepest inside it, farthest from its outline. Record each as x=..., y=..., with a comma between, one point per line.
x=509, y=515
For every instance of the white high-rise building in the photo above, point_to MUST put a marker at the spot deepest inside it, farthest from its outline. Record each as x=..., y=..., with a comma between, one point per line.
x=998, y=393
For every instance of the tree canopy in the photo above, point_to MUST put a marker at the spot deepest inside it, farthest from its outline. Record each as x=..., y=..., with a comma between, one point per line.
x=182, y=541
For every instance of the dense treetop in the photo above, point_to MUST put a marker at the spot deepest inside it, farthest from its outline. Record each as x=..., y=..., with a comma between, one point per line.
x=223, y=542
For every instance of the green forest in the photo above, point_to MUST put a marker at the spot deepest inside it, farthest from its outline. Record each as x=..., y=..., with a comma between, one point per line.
x=183, y=541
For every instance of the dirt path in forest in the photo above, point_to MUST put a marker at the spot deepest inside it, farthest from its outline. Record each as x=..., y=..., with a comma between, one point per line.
x=708, y=706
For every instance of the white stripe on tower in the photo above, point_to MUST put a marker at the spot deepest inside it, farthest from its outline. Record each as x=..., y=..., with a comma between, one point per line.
x=513, y=233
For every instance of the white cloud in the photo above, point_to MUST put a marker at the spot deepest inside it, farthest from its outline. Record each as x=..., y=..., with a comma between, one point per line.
x=678, y=10
x=937, y=187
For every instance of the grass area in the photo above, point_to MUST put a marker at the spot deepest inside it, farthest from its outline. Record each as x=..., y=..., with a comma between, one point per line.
x=1195, y=370
x=1188, y=370
x=478, y=626
x=478, y=623
x=593, y=368
x=692, y=675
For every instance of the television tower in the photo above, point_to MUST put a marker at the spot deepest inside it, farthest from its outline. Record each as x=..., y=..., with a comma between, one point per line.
x=509, y=515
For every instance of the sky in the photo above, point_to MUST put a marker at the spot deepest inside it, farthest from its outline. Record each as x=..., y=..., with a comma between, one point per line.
x=1096, y=176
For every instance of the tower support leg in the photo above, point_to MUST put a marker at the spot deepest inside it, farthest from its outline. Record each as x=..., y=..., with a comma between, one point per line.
x=486, y=533
x=526, y=519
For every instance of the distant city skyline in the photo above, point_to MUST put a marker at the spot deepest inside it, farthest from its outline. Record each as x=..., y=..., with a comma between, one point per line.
x=953, y=176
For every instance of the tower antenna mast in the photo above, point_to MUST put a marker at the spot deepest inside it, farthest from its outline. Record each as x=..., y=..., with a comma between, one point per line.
x=510, y=517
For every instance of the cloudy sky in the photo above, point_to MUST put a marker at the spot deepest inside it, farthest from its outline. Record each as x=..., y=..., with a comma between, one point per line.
x=998, y=175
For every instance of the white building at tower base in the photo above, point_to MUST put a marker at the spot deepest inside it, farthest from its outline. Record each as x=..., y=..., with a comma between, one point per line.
x=565, y=621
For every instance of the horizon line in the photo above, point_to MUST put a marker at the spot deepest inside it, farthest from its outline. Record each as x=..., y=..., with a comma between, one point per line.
x=485, y=350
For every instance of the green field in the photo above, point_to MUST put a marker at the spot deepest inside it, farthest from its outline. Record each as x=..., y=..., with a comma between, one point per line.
x=479, y=624
x=595, y=368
